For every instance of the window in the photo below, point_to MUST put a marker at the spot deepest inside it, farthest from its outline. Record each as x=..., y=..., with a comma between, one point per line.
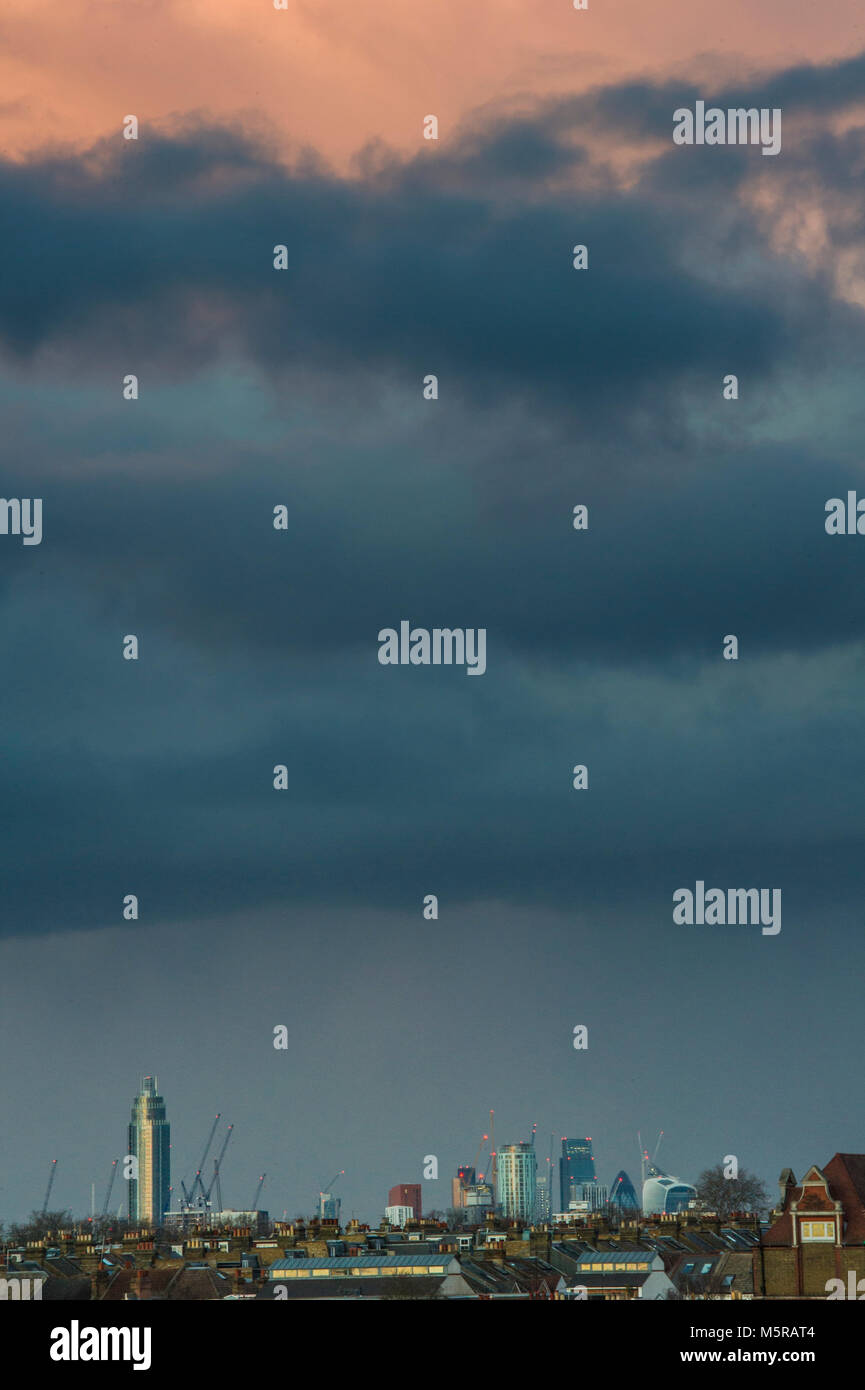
x=818, y=1230
x=707, y=1268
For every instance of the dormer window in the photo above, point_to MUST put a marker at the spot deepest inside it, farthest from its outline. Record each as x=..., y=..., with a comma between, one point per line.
x=817, y=1230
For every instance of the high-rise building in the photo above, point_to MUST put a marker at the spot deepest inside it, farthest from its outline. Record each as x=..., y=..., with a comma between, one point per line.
x=149, y=1144
x=622, y=1194
x=466, y=1177
x=406, y=1194
x=516, y=1178
x=576, y=1167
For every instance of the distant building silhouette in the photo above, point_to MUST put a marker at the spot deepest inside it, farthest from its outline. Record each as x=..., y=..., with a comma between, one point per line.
x=466, y=1177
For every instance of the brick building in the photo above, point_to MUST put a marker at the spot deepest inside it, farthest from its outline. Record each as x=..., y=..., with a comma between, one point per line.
x=818, y=1231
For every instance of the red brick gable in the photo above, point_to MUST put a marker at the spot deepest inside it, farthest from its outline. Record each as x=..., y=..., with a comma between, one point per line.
x=842, y=1180
x=815, y=1194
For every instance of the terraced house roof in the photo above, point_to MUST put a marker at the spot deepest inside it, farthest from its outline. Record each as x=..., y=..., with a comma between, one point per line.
x=348, y=1264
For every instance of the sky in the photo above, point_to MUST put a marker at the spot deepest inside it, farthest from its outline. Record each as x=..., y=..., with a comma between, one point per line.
x=303, y=388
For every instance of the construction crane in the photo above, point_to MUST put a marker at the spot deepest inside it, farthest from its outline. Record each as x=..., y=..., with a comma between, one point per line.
x=484, y=1138
x=254, y=1206
x=51, y=1172
x=219, y=1206
x=108, y=1193
x=105, y=1203
x=648, y=1164
x=198, y=1182
x=217, y=1164
x=494, y=1166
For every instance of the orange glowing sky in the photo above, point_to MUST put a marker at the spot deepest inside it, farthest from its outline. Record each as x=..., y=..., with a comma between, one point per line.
x=335, y=74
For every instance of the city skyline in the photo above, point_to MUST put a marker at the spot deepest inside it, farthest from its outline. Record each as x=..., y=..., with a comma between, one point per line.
x=518, y=1193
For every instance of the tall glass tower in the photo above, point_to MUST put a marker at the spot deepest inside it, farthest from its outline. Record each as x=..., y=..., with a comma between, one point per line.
x=576, y=1167
x=149, y=1141
x=516, y=1176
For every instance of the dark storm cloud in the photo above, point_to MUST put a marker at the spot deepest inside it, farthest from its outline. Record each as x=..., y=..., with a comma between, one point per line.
x=162, y=249
x=558, y=387
x=155, y=777
x=365, y=546
x=260, y=648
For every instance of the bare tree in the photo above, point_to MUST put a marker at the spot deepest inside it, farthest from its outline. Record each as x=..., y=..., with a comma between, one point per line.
x=39, y=1225
x=726, y=1195
x=700, y=1285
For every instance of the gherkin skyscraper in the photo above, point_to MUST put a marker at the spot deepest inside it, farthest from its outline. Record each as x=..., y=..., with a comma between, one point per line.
x=149, y=1144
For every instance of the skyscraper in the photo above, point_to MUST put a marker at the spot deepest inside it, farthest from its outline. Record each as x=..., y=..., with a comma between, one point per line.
x=622, y=1194
x=149, y=1141
x=517, y=1181
x=576, y=1167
